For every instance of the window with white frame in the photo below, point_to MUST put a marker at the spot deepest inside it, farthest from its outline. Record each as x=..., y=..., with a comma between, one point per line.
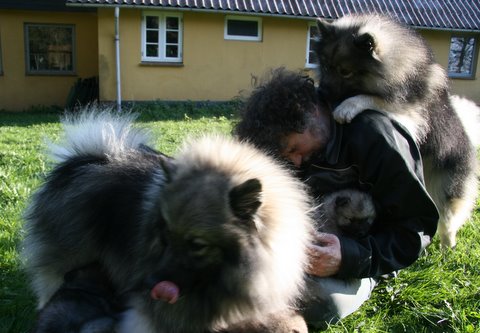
x=462, y=57
x=311, y=58
x=50, y=49
x=162, y=37
x=243, y=28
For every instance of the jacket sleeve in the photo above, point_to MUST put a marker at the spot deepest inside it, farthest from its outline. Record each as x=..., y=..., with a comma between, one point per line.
x=389, y=160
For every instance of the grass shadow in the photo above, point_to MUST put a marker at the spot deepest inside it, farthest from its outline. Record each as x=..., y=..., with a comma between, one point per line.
x=148, y=111
x=30, y=117
x=181, y=111
x=17, y=303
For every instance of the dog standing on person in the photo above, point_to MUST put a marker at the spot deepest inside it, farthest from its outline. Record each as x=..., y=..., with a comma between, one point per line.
x=374, y=62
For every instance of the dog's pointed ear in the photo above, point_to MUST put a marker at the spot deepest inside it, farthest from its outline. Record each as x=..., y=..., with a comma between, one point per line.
x=166, y=162
x=245, y=199
x=367, y=43
x=324, y=28
x=168, y=165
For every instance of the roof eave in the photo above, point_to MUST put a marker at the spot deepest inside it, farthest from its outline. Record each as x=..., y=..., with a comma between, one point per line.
x=233, y=12
x=447, y=29
x=199, y=10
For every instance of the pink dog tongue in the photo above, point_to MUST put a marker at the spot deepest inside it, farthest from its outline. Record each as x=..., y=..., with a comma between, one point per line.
x=166, y=291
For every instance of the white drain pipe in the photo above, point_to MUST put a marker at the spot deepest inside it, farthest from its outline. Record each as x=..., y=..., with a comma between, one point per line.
x=117, y=59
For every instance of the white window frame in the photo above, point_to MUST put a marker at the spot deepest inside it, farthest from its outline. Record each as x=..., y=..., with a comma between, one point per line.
x=257, y=38
x=162, y=33
x=309, y=49
x=473, y=61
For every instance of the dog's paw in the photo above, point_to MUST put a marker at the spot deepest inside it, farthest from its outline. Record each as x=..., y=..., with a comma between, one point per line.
x=99, y=325
x=287, y=322
x=282, y=322
x=348, y=109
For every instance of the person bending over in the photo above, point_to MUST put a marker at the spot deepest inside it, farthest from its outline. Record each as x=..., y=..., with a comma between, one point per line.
x=374, y=154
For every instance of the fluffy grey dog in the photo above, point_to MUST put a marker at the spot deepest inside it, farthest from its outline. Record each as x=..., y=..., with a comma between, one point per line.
x=373, y=62
x=215, y=236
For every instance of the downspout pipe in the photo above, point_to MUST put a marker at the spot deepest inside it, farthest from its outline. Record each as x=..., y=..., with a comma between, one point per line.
x=117, y=59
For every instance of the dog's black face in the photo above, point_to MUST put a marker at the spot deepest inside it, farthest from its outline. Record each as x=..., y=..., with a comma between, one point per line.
x=201, y=256
x=357, y=227
x=348, y=62
x=198, y=256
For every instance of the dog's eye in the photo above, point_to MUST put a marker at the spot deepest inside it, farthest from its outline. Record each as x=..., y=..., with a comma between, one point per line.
x=345, y=73
x=198, y=246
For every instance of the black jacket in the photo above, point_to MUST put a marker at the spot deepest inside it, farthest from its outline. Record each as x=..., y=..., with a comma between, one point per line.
x=377, y=155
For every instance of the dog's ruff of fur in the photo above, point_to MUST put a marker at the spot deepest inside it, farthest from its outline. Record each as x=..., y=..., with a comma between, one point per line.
x=271, y=269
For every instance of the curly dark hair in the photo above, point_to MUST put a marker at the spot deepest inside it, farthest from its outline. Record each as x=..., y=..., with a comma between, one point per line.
x=280, y=105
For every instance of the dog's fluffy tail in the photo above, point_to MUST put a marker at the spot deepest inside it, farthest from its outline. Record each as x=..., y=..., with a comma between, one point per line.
x=469, y=114
x=97, y=132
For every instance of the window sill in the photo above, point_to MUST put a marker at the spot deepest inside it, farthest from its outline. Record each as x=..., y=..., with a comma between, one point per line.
x=243, y=39
x=161, y=63
x=461, y=77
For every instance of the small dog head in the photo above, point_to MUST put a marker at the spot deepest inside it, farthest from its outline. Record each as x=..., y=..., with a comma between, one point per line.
x=348, y=212
x=355, y=216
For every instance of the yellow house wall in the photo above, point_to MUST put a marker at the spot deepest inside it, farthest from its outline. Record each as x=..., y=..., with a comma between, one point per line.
x=19, y=91
x=213, y=68
x=440, y=43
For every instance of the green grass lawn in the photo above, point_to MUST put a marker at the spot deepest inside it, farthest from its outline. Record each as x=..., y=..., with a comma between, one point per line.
x=439, y=293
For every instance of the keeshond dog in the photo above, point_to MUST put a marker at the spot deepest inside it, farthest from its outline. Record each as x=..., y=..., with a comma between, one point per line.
x=215, y=235
x=374, y=62
x=347, y=212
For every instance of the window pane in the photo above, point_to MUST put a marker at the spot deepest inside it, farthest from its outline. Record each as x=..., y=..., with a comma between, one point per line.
x=152, y=50
x=152, y=22
x=152, y=36
x=242, y=28
x=171, y=51
x=172, y=23
x=172, y=37
x=50, y=48
x=312, y=35
x=312, y=58
x=461, y=57
x=1, y=63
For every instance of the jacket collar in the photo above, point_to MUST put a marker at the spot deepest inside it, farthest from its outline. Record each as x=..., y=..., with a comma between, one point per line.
x=331, y=152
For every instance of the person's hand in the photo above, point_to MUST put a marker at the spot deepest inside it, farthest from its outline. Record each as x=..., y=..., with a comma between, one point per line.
x=325, y=255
